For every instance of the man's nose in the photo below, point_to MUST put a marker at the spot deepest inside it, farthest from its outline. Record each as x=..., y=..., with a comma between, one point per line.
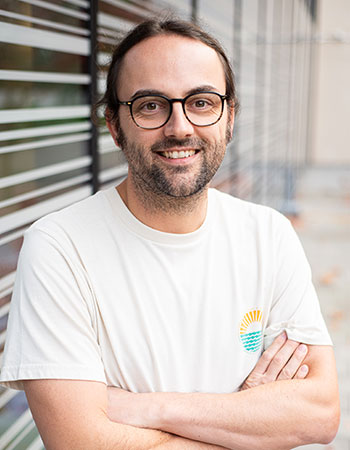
x=178, y=125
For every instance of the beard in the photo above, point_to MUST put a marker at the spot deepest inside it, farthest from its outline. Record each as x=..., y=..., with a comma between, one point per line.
x=167, y=187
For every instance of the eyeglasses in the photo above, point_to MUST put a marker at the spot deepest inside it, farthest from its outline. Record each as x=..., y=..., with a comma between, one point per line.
x=154, y=111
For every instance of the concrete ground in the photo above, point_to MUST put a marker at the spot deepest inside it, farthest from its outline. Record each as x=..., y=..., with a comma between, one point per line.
x=323, y=198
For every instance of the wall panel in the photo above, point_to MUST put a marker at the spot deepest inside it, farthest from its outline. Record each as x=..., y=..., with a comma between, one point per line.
x=54, y=57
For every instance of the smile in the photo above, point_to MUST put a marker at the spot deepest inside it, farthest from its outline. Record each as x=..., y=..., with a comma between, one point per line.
x=177, y=155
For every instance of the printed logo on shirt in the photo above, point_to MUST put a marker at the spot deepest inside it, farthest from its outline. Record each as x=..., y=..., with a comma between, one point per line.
x=250, y=330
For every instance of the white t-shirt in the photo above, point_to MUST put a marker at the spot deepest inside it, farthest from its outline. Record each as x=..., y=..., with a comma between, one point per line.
x=101, y=296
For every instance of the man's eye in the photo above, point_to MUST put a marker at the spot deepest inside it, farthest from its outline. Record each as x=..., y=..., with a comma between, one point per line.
x=201, y=103
x=150, y=106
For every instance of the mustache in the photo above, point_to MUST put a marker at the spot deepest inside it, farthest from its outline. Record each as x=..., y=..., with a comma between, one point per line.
x=173, y=142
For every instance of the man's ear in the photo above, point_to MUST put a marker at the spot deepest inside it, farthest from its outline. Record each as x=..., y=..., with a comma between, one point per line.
x=113, y=131
x=112, y=128
x=231, y=118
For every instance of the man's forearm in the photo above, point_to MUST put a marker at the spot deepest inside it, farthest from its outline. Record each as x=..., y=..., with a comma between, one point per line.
x=101, y=433
x=277, y=415
x=71, y=414
x=118, y=436
x=273, y=416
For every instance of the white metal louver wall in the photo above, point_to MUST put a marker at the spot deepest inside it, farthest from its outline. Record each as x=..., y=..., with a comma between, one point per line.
x=51, y=155
x=46, y=160
x=272, y=51
x=44, y=134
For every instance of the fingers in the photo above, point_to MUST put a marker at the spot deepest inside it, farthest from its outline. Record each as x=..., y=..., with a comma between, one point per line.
x=302, y=372
x=283, y=360
x=294, y=364
x=268, y=355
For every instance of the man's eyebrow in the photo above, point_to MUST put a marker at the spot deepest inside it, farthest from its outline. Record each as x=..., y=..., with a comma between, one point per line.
x=196, y=90
x=146, y=92
x=203, y=88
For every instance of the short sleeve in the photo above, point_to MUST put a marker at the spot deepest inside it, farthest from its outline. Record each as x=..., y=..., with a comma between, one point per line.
x=295, y=307
x=50, y=331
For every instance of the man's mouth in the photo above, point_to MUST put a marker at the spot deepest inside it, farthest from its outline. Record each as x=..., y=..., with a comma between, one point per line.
x=179, y=154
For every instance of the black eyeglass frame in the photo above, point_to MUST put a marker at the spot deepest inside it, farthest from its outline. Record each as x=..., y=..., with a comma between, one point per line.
x=171, y=101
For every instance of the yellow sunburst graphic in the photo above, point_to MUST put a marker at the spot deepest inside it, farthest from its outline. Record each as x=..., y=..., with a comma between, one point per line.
x=249, y=318
x=251, y=330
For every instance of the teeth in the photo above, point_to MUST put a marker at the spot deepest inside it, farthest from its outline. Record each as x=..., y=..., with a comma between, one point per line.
x=177, y=155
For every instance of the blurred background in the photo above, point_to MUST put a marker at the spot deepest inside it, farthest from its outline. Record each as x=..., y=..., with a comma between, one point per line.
x=290, y=149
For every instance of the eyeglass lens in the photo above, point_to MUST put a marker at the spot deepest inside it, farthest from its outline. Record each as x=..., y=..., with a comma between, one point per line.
x=153, y=111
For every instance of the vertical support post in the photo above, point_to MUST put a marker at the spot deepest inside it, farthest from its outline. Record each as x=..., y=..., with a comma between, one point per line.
x=237, y=41
x=313, y=60
x=304, y=90
x=237, y=62
x=259, y=106
x=276, y=102
x=194, y=11
x=93, y=143
x=289, y=206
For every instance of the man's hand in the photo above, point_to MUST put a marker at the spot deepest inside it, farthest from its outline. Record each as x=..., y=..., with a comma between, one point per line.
x=281, y=361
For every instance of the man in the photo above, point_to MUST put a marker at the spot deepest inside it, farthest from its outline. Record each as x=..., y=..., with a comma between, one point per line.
x=166, y=291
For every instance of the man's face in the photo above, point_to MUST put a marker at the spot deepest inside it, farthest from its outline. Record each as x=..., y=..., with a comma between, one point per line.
x=173, y=66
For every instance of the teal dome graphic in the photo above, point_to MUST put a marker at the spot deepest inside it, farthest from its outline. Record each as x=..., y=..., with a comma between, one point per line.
x=250, y=331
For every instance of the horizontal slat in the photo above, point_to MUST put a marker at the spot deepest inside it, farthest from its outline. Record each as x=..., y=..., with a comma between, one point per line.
x=46, y=23
x=5, y=293
x=34, y=212
x=46, y=171
x=2, y=339
x=43, y=131
x=105, y=139
x=45, y=190
x=34, y=114
x=104, y=130
x=106, y=145
x=106, y=32
x=107, y=150
x=103, y=58
x=24, y=432
x=37, y=444
x=101, y=85
x=59, y=9
x=82, y=3
x=106, y=40
x=106, y=185
x=12, y=236
x=15, y=428
x=49, y=40
x=116, y=23
x=7, y=281
x=44, y=77
x=127, y=7
x=7, y=396
x=4, y=310
x=114, y=172
x=79, y=137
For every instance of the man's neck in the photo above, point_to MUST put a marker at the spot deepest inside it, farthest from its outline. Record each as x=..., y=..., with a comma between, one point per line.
x=170, y=215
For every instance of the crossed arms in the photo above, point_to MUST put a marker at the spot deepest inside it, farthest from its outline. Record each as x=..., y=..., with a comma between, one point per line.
x=278, y=407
